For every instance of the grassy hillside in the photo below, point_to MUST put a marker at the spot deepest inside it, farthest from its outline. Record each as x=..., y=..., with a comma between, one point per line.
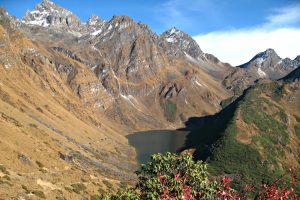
x=52, y=146
x=254, y=139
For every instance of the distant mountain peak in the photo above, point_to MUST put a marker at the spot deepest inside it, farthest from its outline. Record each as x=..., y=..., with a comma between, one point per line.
x=93, y=17
x=270, y=50
x=119, y=23
x=180, y=41
x=266, y=54
x=266, y=58
x=268, y=64
x=94, y=20
x=47, y=2
x=297, y=58
x=121, y=19
x=173, y=35
x=173, y=30
x=49, y=14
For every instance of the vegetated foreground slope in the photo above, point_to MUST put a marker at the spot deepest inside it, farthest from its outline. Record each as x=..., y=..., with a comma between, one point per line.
x=254, y=139
x=50, y=144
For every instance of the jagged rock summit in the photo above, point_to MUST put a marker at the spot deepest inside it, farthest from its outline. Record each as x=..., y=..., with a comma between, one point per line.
x=269, y=64
x=266, y=65
x=266, y=58
x=48, y=14
x=179, y=42
x=94, y=20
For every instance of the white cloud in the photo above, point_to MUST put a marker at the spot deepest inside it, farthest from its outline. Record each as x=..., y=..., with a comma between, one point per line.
x=238, y=46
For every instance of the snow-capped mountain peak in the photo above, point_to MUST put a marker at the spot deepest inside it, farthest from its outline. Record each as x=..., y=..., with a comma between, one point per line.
x=180, y=41
x=173, y=35
x=173, y=30
x=267, y=54
x=49, y=14
x=94, y=25
x=94, y=20
x=268, y=64
x=267, y=58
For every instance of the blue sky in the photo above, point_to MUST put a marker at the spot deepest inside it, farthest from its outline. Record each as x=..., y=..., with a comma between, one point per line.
x=222, y=27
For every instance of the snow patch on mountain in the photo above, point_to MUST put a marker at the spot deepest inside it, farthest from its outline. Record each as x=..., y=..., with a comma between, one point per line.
x=178, y=43
x=96, y=32
x=93, y=20
x=173, y=35
x=170, y=39
x=261, y=73
x=190, y=58
x=259, y=61
x=38, y=18
x=48, y=14
x=173, y=30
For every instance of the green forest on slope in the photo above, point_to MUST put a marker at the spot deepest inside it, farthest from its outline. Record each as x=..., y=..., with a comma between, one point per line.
x=251, y=139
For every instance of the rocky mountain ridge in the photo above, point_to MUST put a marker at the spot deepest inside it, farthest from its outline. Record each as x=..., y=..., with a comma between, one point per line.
x=140, y=66
x=48, y=14
x=293, y=76
x=179, y=42
x=170, y=68
x=270, y=65
x=173, y=41
x=263, y=66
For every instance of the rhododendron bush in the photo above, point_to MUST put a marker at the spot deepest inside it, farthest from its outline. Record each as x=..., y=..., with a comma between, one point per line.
x=175, y=177
x=179, y=177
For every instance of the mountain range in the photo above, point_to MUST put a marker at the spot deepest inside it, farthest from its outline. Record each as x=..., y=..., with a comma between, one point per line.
x=70, y=91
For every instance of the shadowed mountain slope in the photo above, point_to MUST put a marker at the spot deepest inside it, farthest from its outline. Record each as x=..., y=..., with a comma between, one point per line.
x=255, y=138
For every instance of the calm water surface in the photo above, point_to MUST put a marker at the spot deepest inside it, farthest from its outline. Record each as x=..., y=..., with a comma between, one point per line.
x=147, y=143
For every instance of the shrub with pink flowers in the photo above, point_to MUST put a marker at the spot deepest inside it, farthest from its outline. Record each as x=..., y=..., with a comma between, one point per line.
x=179, y=177
x=171, y=176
